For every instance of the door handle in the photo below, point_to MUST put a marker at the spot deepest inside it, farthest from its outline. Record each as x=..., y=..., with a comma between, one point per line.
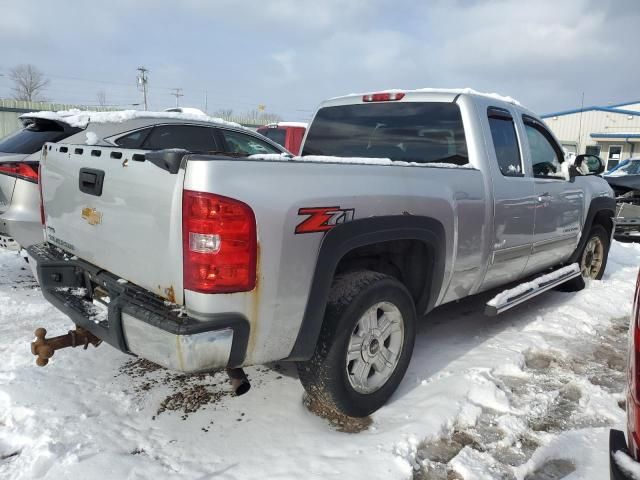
x=544, y=198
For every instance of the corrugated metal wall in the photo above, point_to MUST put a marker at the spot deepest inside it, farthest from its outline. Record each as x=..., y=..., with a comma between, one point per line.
x=569, y=130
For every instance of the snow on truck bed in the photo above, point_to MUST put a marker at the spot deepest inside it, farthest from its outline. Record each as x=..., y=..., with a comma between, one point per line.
x=486, y=398
x=274, y=157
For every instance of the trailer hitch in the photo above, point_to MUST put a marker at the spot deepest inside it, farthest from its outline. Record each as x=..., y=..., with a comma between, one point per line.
x=44, y=348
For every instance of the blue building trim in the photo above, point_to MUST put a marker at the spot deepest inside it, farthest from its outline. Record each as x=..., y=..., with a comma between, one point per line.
x=623, y=104
x=591, y=109
x=615, y=135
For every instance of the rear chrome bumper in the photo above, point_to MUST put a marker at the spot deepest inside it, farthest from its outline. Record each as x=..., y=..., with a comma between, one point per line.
x=617, y=443
x=135, y=320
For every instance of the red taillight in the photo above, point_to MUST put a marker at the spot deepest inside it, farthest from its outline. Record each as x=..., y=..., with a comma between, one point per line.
x=383, y=97
x=25, y=171
x=219, y=244
x=633, y=393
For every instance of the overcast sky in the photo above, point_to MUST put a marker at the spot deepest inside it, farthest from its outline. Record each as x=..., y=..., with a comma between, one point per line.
x=291, y=54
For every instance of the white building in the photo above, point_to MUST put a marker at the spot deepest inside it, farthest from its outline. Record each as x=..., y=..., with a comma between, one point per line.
x=611, y=132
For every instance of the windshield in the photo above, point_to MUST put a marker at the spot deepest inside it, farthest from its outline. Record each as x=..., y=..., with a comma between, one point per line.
x=628, y=167
x=410, y=132
x=31, y=138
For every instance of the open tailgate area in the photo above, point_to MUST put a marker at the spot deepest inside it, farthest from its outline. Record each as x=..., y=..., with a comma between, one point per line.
x=111, y=208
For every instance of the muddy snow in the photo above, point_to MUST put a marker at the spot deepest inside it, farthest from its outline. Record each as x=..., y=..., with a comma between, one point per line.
x=528, y=395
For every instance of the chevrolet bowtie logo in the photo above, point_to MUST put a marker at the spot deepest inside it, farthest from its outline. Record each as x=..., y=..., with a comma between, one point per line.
x=92, y=216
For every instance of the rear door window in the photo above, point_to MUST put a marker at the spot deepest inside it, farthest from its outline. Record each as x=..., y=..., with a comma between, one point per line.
x=134, y=139
x=190, y=137
x=421, y=132
x=31, y=138
x=246, y=144
x=505, y=142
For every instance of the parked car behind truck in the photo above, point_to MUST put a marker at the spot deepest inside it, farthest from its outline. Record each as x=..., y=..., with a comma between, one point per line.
x=402, y=201
x=20, y=223
x=287, y=134
x=19, y=196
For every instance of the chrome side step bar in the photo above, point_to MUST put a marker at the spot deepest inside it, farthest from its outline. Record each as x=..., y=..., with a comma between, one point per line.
x=526, y=291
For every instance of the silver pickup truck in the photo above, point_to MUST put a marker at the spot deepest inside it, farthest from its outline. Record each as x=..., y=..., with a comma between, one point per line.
x=401, y=201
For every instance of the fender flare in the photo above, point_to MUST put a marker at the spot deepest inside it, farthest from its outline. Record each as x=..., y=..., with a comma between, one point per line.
x=358, y=233
x=597, y=205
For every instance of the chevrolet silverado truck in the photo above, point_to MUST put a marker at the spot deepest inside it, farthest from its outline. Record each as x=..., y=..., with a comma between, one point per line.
x=400, y=202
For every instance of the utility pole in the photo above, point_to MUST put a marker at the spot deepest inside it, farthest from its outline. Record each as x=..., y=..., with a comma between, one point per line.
x=206, y=102
x=177, y=92
x=142, y=82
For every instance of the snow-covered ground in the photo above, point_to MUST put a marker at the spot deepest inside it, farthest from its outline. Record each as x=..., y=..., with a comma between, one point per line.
x=530, y=394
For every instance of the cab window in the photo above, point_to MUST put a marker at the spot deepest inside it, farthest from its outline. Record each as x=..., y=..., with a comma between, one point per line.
x=546, y=156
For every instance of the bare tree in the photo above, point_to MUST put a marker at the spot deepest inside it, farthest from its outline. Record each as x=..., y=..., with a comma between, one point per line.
x=224, y=113
x=101, y=95
x=270, y=118
x=28, y=82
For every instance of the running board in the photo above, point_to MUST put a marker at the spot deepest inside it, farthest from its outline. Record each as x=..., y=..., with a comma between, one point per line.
x=526, y=291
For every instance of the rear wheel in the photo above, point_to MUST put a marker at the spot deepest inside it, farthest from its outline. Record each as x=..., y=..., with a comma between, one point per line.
x=592, y=259
x=365, y=345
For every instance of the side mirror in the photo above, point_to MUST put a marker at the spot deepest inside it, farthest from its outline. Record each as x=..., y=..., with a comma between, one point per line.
x=594, y=164
x=169, y=160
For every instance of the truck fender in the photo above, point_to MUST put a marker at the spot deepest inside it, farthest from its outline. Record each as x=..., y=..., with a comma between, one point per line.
x=598, y=205
x=359, y=233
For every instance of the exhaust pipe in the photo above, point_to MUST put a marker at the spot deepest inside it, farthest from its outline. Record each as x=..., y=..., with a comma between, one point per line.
x=239, y=381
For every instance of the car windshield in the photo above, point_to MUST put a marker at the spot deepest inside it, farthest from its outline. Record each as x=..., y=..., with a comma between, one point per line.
x=31, y=138
x=406, y=131
x=628, y=167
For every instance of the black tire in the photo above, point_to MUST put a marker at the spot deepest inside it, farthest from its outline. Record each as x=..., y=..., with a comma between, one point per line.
x=578, y=283
x=325, y=376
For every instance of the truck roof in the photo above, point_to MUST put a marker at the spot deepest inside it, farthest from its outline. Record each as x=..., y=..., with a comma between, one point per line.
x=82, y=118
x=421, y=94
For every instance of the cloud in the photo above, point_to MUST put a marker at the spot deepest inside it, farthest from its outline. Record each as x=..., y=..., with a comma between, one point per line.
x=291, y=54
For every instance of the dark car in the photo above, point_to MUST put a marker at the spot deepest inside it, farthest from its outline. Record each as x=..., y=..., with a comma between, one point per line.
x=623, y=454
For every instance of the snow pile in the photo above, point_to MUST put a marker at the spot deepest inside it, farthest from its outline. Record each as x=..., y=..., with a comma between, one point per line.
x=92, y=138
x=453, y=91
x=81, y=118
x=505, y=397
x=628, y=465
x=274, y=157
x=503, y=297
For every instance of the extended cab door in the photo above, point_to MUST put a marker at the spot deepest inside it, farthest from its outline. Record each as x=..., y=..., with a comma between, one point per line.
x=559, y=202
x=514, y=200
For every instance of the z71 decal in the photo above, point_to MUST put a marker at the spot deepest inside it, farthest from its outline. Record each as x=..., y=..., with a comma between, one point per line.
x=322, y=219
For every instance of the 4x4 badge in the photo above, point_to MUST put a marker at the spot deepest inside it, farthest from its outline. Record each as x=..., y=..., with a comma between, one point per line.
x=92, y=216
